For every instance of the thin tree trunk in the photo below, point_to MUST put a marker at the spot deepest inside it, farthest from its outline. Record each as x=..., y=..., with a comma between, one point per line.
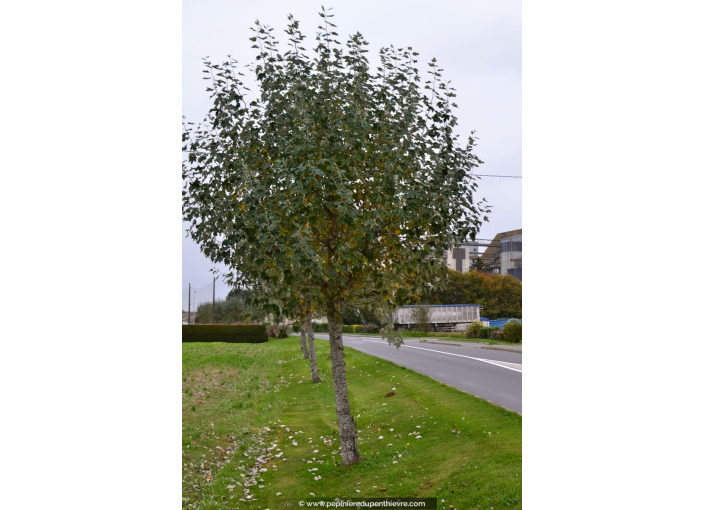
x=311, y=350
x=345, y=421
x=304, y=348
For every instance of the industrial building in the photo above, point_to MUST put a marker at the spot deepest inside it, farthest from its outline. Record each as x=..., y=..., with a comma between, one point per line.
x=505, y=254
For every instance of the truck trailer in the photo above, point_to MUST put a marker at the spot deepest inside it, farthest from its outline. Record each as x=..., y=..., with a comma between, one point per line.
x=442, y=317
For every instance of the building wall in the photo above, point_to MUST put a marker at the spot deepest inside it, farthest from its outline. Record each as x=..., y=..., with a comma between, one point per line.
x=512, y=256
x=460, y=259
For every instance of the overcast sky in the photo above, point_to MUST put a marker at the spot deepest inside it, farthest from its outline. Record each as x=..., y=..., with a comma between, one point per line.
x=477, y=43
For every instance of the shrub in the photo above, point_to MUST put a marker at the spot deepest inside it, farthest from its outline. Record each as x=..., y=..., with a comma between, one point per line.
x=473, y=330
x=278, y=332
x=248, y=333
x=296, y=327
x=370, y=328
x=360, y=328
x=227, y=311
x=320, y=327
x=485, y=333
x=513, y=332
x=497, y=334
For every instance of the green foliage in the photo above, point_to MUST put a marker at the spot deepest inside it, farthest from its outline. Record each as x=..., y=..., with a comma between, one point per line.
x=485, y=333
x=361, y=328
x=296, y=326
x=320, y=327
x=473, y=330
x=422, y=318
x=278, y=332
x=334, y=176
x=477, y=265
x=370, y=328
x=352, y=316
x=233, y=309
x=513, y=332
x=500, y=296
x=217, y=333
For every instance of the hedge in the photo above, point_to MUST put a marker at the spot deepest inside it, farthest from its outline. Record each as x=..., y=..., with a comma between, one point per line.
x=244, y=333
x=485, y=333
x=361, y=328
x=320, y=327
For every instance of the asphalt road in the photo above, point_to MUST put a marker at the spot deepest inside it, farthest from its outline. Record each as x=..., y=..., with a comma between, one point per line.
x=495, y=376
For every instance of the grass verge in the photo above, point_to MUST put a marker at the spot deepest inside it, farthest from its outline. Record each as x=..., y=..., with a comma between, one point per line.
x=249, y=402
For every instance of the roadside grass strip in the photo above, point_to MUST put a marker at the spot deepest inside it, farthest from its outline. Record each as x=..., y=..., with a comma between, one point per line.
x=257, y=433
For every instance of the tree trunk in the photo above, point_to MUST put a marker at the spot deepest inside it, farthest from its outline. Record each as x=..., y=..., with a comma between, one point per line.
x=304, y=348
x=345, y=421
x=311, y=349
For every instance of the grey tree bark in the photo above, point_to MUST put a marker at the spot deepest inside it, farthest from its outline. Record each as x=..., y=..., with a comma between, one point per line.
x=311, y=349
x=345, y=421
x=304, y=348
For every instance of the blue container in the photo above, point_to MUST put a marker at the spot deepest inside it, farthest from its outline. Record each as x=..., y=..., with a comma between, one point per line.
x=501, y=322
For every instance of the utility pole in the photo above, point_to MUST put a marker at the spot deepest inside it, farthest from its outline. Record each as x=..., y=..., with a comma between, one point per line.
x=213, y=300
x=188, y=320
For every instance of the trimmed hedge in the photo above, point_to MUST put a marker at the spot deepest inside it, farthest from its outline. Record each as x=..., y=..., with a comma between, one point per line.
x=240, y=334
x=320, y=327
x=361, y=328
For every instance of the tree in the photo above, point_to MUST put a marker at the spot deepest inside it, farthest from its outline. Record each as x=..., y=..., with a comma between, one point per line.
x=509, y=296
x=477, y=265
x=333, y=178
x=422, y=317
x=500, y=296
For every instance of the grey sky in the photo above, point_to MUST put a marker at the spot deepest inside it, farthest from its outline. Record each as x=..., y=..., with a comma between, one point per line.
x=478, y=44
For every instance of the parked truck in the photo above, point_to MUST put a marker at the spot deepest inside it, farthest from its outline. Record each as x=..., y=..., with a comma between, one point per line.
x=441, y=317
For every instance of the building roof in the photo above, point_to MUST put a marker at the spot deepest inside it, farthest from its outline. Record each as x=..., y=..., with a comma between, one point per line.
x=492, y=255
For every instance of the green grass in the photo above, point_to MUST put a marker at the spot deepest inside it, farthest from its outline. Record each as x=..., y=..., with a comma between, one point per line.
x=232, y=391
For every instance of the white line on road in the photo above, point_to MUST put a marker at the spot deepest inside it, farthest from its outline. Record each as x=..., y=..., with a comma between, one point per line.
x=501, y=364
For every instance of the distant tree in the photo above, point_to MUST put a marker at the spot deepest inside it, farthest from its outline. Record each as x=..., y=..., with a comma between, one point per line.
x=477, y=265
x=336, y=178
x=422, y=318
x=500, y=296
x=232, y=309
x=509, y=296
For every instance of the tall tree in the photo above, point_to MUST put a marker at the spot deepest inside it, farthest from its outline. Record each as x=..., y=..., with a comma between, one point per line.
x=500, y=296
x=349, y=182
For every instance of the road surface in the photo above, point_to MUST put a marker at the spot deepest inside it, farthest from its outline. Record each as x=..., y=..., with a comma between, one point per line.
x=493, y=375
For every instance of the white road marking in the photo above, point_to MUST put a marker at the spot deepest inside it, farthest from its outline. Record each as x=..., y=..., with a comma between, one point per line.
x=502, y=364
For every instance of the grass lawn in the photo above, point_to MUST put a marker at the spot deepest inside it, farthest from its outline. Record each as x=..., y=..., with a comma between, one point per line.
x=441, y=336
x=243, y=402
